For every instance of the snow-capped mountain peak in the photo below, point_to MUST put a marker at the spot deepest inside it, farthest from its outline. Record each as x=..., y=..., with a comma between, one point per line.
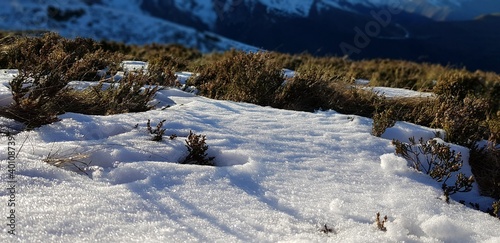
x=294, y=7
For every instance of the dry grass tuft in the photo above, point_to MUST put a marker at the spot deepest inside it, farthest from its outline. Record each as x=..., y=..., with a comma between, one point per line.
x=73, y=161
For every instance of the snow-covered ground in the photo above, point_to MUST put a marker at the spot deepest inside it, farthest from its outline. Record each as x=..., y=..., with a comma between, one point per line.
x=397, y=92
x=391, y=92
x=281, y=176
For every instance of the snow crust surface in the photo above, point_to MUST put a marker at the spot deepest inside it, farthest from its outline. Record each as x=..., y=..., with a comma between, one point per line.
x=280, y=177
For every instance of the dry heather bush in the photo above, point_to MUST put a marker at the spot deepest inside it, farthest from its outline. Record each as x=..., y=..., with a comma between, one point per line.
x=197, y=150
x=380, y=223
x=326, y=229
x=118, y=47
x=46, y=65
x=257, y=78
x=457, y=85
x=383, y=120
x=485, y=164
x=321, y=83
x=132, y=94
x=396, y=73
x=404, y=75
x=304, y=93
x=420, y=110
x=438, y=161
x=288, y=61
x=464, y=120
x=315, y=88
x=468, y=119
x=494, y=129
x=493, y=95
x=462, y=111
x=239, y=76
x=161, y=70
x=496, y=209
x=324, y=68
x=151, y=51
x=157, y=132
x=355, y=101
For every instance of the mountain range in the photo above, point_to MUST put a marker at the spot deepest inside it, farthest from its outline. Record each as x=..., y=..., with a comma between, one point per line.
x=462, y=33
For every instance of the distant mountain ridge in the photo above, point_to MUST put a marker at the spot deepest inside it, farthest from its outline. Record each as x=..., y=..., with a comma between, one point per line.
x=207, y=11
x=115, y=20
x=417, y=32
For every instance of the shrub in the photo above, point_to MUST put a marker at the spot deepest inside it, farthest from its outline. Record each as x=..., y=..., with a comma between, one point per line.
x=161, y=70
x=462, y=111
x=132, y=94
x=485, y=164
x=496, y=209
x=304, y=94
x=438, y=161
x=326, y=230
x=402, y=75
x=492, y=93
x=46, y=65
x=464, y=121
x=494, y=129
x=156, y=132
x=197, y=148
x=457, y=85
x=351, y=100
x=239, y=76
x=380, y=223
x=151, y=51
x=382, y=121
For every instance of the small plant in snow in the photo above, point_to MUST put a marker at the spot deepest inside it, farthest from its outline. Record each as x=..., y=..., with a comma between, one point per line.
x=325, y=229
x=495, y=211
x=438, y=161
x=156, y=132
x=380, y=223
x=197, y=148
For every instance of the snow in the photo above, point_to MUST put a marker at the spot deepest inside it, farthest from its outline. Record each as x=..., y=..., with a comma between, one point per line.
x=134, y=65
x=303, y=7
x=288, y=74
x=391, y=92
x=398, y=92
x=294, y=7
x=202, y=9
x=280, y=177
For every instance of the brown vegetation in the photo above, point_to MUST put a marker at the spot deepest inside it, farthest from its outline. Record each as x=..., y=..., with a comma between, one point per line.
x=466, y=105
